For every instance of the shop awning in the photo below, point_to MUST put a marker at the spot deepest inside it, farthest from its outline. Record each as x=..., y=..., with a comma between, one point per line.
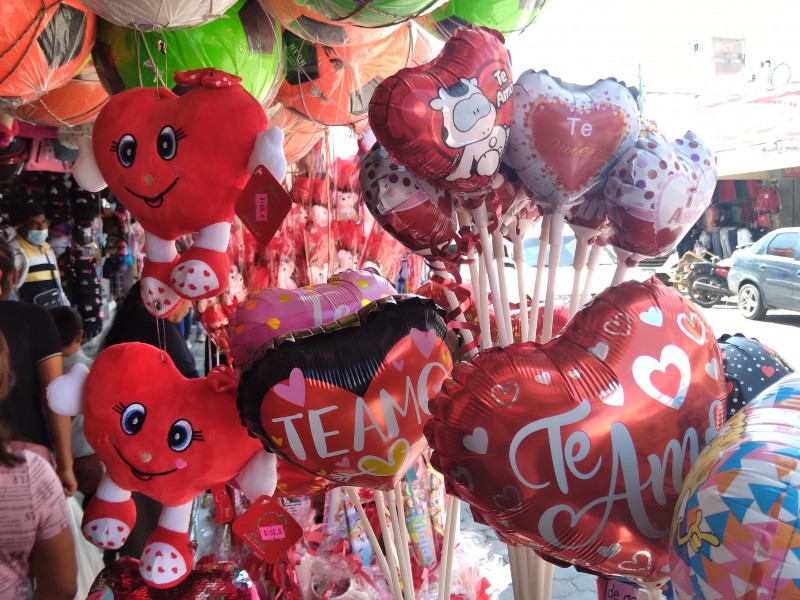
x=750, y=133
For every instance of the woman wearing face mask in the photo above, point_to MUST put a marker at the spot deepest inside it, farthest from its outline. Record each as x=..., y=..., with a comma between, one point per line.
x=39, y=279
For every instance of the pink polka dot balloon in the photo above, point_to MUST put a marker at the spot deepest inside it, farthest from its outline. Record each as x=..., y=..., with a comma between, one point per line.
x=270, y=313
x=657, y=191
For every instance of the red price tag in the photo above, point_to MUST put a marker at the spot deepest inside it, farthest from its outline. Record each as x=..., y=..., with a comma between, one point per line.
x=263, y=205
x=268, y=529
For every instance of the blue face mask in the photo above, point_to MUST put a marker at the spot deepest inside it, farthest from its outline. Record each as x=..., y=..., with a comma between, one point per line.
x=37, y=237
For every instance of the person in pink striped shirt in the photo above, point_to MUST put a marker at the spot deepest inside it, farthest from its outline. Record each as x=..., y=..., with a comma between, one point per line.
x=36, y=545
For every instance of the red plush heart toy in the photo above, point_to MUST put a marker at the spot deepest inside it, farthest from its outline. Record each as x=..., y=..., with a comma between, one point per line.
x=163, y=435
x=178, y=164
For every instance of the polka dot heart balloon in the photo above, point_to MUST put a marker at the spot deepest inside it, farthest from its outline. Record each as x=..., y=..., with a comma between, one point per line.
x=750, y=367
x=273, y=312
x=657, y=191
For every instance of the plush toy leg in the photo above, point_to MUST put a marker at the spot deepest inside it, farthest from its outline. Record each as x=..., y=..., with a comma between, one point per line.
x=159, y=299
x=168, y=557
x=203, y=271
x=110, y=516
x=259, y=476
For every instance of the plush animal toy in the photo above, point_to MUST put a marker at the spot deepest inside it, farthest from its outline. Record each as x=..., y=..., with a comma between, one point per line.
x=178, y=164
x=163, y=435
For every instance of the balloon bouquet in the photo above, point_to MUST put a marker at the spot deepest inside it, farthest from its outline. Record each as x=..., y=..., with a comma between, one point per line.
x=348, y=381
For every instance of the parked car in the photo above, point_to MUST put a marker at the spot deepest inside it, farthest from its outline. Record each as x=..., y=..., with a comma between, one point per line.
x=766, y=275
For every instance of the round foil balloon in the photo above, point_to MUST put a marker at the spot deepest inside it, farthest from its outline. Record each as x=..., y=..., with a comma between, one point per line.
x=750, y=367
x=155, y=15
x=735, y=533
x=566, y=137
x=348, y=401
x=44, y=43
x=509, y=17
x=74, y=103
x=299, y=135
x=310, y=26
x=657, y=191
x=578, y=448
x=447, y=121
x=246, y=42
x=410, y=210
x=369, y=13
x=273, y=312
x=333, y=85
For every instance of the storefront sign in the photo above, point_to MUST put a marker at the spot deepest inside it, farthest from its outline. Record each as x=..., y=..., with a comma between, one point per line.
x=791, y=172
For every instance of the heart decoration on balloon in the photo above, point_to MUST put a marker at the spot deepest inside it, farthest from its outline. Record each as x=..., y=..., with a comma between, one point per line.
x=585, y=440
x=273, y=312
x=447, y=121
x=348, y=401
x=657, y=191
x=410, y=210
x=564, y=137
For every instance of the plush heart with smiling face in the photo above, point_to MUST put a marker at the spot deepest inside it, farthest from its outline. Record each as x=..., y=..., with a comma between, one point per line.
x=447, y=121
x=348, y=401
x=159, y=433
x=581, y=444
x=564, y=137
x=177, y=163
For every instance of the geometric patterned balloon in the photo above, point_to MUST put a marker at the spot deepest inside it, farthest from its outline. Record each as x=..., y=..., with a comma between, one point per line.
x=736, y=532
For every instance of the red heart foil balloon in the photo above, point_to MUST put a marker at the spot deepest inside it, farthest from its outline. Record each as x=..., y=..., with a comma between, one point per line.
x=447, y=121
x=294, y=482
x=564, y=137
x=410, y=210
x=657, y=191
x=578, y=448
x=348, y=401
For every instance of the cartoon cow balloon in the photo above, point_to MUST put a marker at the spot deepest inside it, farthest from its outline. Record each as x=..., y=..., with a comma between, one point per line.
x=178, y=164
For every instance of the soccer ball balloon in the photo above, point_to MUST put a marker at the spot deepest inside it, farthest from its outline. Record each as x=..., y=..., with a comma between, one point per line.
x=155, y=15
x=509, y=17
x=43, y=43
x=370, y=13
x=247, y=43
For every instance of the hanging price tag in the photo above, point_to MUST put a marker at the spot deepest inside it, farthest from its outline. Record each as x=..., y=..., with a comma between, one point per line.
x=263, y=205
x=268, y=529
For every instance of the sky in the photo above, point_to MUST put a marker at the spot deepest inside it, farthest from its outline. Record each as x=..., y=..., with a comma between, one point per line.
x=584, y=40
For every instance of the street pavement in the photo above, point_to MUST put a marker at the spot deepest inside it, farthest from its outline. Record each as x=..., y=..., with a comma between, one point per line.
x=779, y=330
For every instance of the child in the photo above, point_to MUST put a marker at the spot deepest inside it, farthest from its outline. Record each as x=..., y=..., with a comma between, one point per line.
x=88, y=468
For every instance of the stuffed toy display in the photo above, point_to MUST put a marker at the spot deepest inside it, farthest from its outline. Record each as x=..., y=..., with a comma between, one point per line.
x=165, y=436
x=179, y=164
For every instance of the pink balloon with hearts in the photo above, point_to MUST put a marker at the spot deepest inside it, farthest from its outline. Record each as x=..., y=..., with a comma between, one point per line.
x=269, y=313
x=657, y=191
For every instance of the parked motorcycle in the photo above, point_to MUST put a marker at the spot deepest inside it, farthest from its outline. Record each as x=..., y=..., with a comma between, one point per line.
x=708, y=282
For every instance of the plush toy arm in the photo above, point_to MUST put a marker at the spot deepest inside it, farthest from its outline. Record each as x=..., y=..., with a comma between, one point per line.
x=259, y=476
x=85, y=171
x=268, y=151
x=65, y=393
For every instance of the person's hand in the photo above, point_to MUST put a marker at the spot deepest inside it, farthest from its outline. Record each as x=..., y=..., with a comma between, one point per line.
x=68, y=481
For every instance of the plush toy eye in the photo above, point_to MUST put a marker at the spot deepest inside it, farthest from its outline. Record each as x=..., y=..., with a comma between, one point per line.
x=180, y=435
x=133, y=418
x=167, y=143
x=126, y=150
